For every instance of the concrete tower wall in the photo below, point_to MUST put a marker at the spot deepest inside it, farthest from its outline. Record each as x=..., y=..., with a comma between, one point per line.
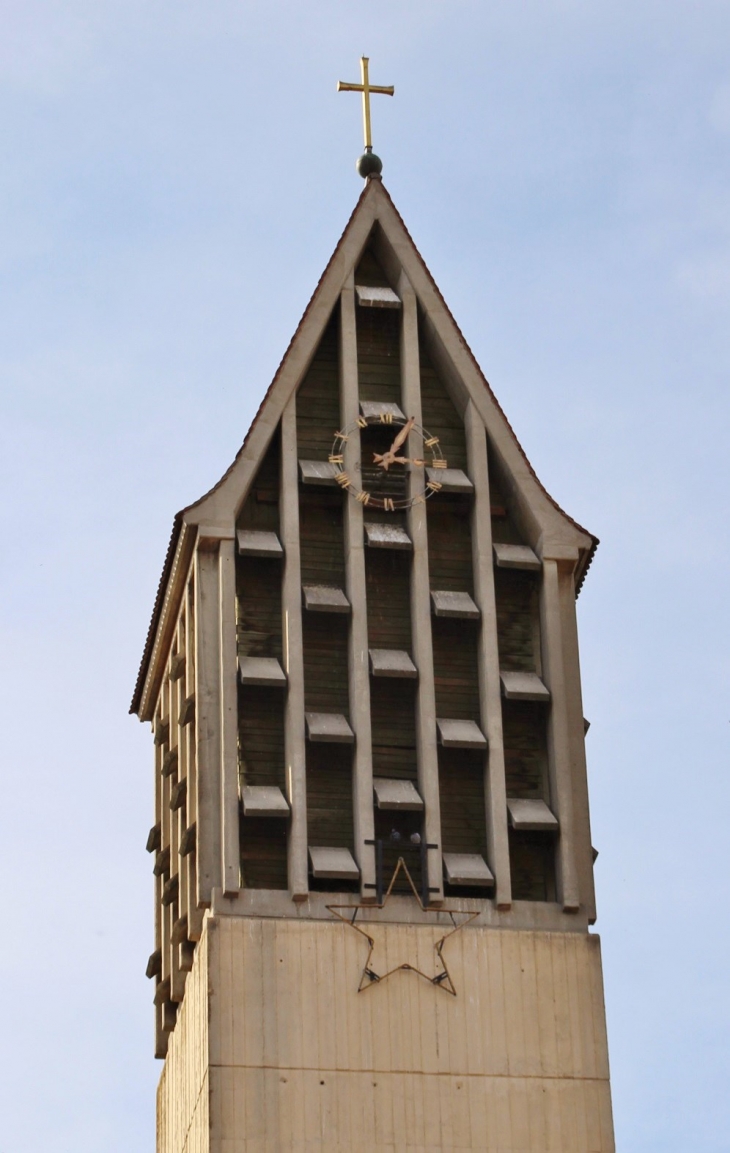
x=275, y=1050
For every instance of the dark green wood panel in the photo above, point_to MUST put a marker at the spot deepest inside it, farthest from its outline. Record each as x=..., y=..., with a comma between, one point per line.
x=393, y=715
x=392, y=700
x=321, y=539
x=387, y=574
x=503, y=527
x=329, y=796
x=263, y=853
x=440, y=417
x=517, y=619
x=258, y=580
x=258, y=594
x=461, y=790
x=325, y=662
x=378, y=353
x=318, y=398
x=455, y=668
x=532, y=864
x=261, y=510
x=532, y=855
x=261, y=735
x=369, y=272
x=261, y=762
x=449, y=543
x=525, y=749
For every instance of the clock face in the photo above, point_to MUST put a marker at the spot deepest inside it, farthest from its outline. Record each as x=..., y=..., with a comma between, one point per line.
x=381, y=474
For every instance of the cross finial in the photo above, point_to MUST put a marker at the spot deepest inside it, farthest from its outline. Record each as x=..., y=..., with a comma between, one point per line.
x=369, y=164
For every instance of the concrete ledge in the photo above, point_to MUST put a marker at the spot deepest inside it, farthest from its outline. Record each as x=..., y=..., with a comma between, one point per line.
x=264, y=544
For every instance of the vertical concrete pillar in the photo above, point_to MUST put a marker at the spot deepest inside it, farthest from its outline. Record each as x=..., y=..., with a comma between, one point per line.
x=357, y=653
x=559, y=744
x=189, y=862
x=576, y=730
x=427, y=752
x=490, y=701
x=230, y=834
x=291, y=606
x=207, y=705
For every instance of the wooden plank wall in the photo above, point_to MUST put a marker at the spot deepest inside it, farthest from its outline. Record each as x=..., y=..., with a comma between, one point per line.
x=261, y=709
x=329, y=766
x=449, y=543
x=439, y=415
x=504, y=530
x=318, y=398
x=378, y=340
x=369, y=271
x=518, y=621
x=461, y=771
x=532, y=855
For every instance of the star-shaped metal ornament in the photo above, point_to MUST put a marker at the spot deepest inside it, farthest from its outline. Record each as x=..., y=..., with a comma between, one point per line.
x=441, y=977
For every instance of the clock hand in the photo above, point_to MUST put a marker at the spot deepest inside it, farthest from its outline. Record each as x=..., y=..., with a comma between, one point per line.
x=387, y=458
x=408, y=460
x=402, y=435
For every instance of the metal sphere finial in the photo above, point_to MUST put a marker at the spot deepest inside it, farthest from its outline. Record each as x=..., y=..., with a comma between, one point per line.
x=369, y=164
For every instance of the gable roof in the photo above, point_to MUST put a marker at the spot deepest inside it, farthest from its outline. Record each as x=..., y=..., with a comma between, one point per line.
x=219, y=506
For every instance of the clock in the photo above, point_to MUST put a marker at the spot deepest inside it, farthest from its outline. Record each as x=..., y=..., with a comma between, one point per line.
x=383, y=469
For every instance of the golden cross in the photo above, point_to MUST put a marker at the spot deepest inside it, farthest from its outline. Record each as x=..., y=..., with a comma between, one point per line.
x=366, y=88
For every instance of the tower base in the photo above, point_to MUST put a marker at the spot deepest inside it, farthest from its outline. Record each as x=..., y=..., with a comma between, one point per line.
x=276, y=1051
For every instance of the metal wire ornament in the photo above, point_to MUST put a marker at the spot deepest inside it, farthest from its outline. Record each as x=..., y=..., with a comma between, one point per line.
x=442, y=978
x=383, y=461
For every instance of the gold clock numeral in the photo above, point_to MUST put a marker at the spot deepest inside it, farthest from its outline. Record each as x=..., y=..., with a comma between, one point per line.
x=341, y=436
x=363, y=497
x=386, y=418
x=361, y=422
x=420, y=499
x=343, y=479
x=432, y=440
x=336, y=458
x=434, y=485
x=388, y=504
x=439, y=463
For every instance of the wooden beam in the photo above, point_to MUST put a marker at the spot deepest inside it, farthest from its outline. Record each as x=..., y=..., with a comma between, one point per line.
x=421, y=640
x=357, y=647
x=490, y=702
x=291, y=607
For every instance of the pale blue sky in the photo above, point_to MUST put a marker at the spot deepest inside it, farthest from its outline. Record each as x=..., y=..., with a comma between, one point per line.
x=174, y=177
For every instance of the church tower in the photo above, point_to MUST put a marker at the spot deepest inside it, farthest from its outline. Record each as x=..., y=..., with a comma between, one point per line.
x=371, y=849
